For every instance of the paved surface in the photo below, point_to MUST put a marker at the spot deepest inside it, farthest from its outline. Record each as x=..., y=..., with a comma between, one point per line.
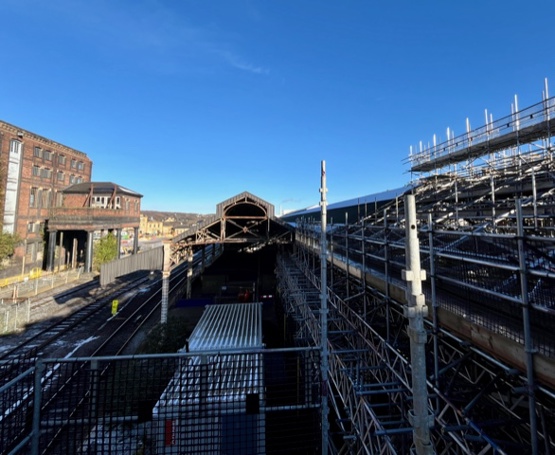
x=30, y=288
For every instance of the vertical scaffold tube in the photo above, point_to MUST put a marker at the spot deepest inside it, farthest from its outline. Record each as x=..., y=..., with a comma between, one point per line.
x=190, y=257
x=528, y=340
x=324, y=311
x=166, y=270
x=415, y=311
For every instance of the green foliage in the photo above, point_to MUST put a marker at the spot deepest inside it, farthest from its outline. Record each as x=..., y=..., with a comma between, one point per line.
x=105, y=250
x=8, y=242
x=168, y=337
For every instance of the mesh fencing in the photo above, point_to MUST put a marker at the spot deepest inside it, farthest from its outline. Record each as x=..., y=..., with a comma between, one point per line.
x=13, y=315
x=244, y=403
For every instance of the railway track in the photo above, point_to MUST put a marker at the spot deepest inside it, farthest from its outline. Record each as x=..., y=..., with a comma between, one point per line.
x=65, y=387
x=31, y=345
x=115, y=336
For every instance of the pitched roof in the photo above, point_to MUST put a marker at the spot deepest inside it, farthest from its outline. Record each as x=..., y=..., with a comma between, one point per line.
x=100, y=188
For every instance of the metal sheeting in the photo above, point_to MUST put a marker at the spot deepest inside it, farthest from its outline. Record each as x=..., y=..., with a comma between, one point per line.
x=215, y=382
x=228, y=326
x=147, y=260
x=221, y=377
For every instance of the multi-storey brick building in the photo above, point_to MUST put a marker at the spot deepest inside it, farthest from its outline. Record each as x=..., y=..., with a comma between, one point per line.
x=48, y=200
x=33, y=172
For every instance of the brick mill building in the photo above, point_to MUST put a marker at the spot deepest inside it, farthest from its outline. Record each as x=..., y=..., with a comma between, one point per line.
x=36, y=197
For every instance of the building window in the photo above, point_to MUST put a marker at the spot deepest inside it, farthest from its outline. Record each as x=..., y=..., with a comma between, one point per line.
x=62, y=160
x=46, y=173
x=73, y=163
x=59, y=199
x=36, y=171
x=80, y=165
x=46, y=199
x=48, y=155
x=60, y=176
x=99, y=201
x=33, y=197
x=79, y=180
x=15, y=147
x=37, y=152
x=71, y=179
x=30, y=227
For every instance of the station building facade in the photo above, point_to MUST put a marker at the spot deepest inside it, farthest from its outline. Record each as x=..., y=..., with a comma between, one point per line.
x=87, y=212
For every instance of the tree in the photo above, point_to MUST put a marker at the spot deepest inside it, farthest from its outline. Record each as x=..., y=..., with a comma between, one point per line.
x=105, y=250
x=8, y=242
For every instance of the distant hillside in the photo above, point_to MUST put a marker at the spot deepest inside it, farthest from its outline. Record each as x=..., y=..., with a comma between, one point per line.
x=185, y=218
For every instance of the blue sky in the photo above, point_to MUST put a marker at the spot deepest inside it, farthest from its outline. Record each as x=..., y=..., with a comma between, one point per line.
x=190, y=102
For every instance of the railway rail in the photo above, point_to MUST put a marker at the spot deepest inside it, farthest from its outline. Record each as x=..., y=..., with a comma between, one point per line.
x=23, y=367
x=33, y=344
x=117, y=333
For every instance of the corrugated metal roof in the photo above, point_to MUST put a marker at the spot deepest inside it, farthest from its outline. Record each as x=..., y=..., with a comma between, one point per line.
x=222, y=377
x=228, y=326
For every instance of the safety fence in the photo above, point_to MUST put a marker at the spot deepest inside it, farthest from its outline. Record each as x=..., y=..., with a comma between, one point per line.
x=14, y=314
x=36, y=282
x=237, y=402
x=146, y=260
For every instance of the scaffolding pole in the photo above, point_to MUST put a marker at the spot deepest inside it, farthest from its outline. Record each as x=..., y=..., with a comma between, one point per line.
x=324, y=311
x=166, y=271
x=528, y=340
x=419, y=417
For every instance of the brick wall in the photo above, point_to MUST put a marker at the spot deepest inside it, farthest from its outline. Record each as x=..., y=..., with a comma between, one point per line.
x=43, y=164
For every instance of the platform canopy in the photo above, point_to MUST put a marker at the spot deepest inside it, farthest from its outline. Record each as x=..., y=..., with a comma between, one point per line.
x=244, y=220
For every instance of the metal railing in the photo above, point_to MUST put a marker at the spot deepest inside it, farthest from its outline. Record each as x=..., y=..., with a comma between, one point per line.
x=484, y=137
x=474, y=278
x=141, y=404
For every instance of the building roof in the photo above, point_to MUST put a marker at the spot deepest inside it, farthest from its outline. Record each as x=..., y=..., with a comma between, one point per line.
x=16, y=130
x=245, y=198
x=224, y=344
x=100, y=188
x=228, y=326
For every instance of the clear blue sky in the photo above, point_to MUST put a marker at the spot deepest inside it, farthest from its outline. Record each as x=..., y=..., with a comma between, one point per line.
x=190, y=102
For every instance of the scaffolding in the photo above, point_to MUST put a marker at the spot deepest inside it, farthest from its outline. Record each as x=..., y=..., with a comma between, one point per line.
x=485, y=217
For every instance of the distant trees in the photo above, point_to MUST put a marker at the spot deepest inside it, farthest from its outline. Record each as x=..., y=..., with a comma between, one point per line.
x=105, y=250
